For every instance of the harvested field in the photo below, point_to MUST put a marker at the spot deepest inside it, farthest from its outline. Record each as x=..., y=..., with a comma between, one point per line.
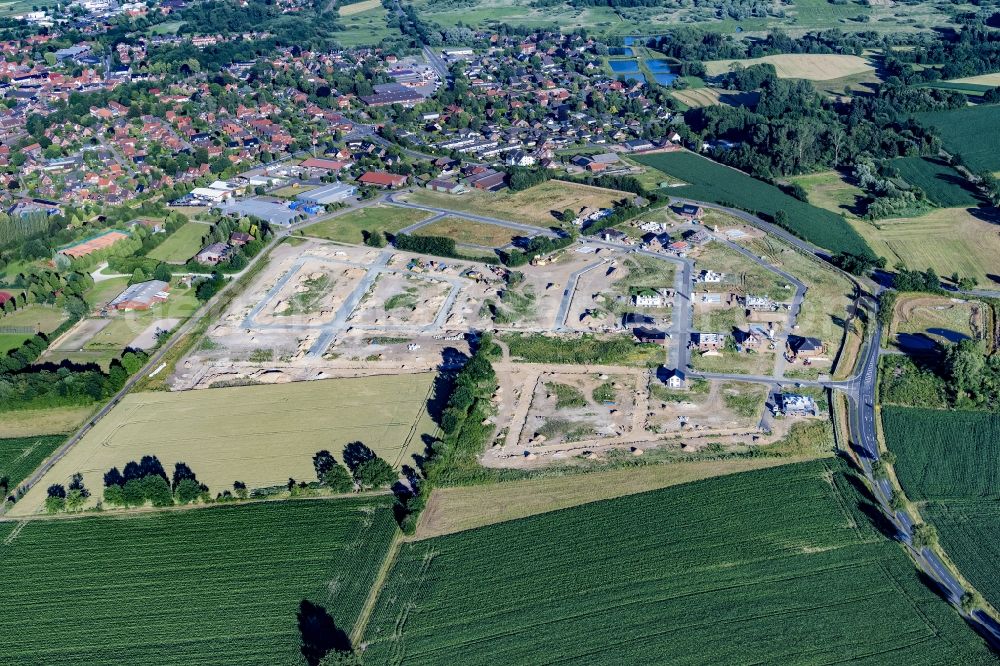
x=261, y=435
x=470, y=232
x=461, y=508
x=638, y=579
x=810, y=66
x=539, y=205
x=699, y=97
x=992, y=80
x=219, y=585
x=359, y=7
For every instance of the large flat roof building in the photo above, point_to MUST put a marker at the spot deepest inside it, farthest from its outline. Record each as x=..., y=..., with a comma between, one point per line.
x=141, y=296
x=269, y=211
x=328, y=194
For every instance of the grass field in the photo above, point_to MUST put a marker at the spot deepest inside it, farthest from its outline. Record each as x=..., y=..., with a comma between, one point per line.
x=20, y=456
x=713, y=182
x=364, y=28
x=358, y=7
x=182, y=244
x=946, y=239
x=215, y=585
x=989, y=80
x=470, y=232
x=9, y=341
x=969, y=132
x=32, y=422
x=261, y=435
x=829, y=190
x=42, y=318
x=587, y=349
x=538, y=205
x=949, y=461
x=943, y=185
x=814, y=67
x=347, y=228
x=743, y=276
x=683, y=575
x=461, y=508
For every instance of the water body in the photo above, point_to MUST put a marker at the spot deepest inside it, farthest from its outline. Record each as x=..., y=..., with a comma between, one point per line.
x=621, y=51
x=661, y=71
x=624, y=66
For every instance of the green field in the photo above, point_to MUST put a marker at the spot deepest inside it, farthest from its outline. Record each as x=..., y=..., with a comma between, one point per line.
x=9, y=341
x=347, y=228
x=950, y=462
x=713, y=182
x=220, y=585
x=587, y=349
x=182, y=244
x=970, y=132
x=260, y=435
x=42, y=318
x=943, y=185
x=20, y=456
x=684, y=575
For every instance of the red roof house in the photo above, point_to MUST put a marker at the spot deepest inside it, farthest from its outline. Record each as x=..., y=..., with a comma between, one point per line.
x=382, y=179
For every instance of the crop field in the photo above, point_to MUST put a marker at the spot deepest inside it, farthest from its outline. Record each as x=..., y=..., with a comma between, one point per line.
x=347, y=228
x=944, y=186
x=710, y=181
x=677, y=576
x=470, y=232
x=20, y=456
x=950, y=461
x=261, y=435
x=182, y=244
x=948, y=240
x=944, y=454
x=539, y=205
x=813, y=67
x=358, y=7
x=215, y=585
x=988, y=80
x=969, y=132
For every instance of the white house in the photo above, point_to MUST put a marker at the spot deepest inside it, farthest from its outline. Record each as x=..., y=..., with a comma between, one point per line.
x=647, y=298
x=711, y=276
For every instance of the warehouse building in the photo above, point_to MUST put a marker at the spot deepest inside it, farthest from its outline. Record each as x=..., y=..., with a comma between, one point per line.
x=328, y=194
x=262, y=209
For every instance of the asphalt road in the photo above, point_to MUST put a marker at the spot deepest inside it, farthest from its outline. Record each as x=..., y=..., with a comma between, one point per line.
x=525, y=229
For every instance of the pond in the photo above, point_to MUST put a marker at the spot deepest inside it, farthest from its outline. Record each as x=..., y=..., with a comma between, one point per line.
x=621, y=51
x=661, y=71
x=624, y=66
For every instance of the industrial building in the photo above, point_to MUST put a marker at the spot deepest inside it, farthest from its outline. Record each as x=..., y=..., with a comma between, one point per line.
x=269, y=211
x=328, y=194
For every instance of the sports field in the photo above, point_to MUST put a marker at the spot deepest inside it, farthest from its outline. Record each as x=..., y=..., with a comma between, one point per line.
x=539, y=205
x=949, y=461
x=219, y=585
x=260, y=435
x=943, y=185
x=471, y=232
x=347, y=228
x=713, y=182
x=970, y=132
x=772, y=566
x=814, y=67
x=182, y=244
x=965, y=240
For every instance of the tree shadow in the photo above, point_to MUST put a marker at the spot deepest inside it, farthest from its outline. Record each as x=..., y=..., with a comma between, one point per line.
x=356, y=453
x=868, y=505
x=320, y=634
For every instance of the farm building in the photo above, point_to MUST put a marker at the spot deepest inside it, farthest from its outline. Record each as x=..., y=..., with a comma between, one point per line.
x=382, y=179
x=805, y=347
x=262, y=209
x=141, y=296
x=213, y=254
x=93, y=244
x=328, y=194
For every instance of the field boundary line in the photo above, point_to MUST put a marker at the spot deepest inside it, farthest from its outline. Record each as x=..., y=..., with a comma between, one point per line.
x=358, y=632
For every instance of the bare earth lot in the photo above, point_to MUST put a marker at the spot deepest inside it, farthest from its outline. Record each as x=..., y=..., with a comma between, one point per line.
x=261, y=435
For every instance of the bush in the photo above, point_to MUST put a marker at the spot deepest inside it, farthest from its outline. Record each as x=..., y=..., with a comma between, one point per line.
x=375, y=473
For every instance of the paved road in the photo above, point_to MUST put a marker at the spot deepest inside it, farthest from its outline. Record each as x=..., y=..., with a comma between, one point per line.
x=569, y=291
